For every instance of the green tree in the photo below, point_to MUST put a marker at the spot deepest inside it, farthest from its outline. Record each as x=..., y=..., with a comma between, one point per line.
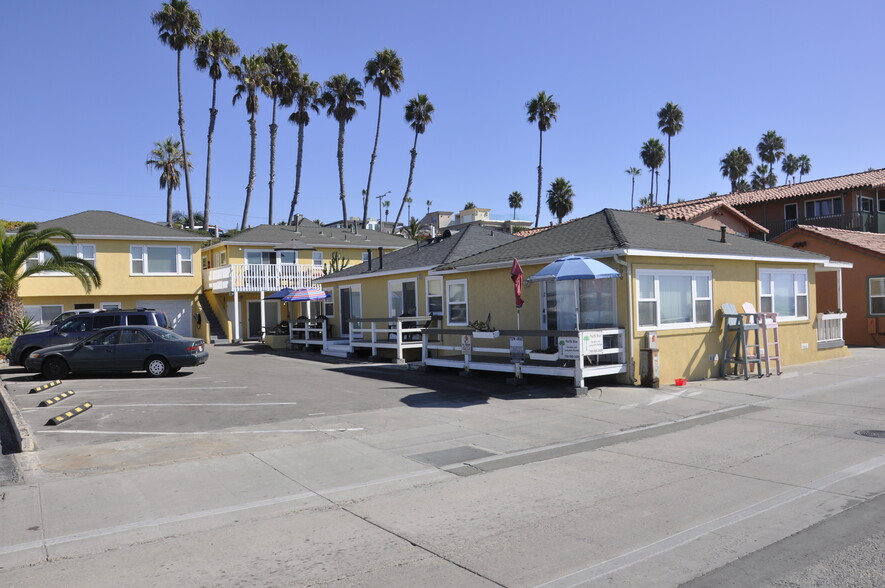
x=560, y=198
x=647, y=201
x=633, y=172
x=468, y=205
x=179, y=27
x=542, y=110
x=385, y=73
x=742, y=185
x=790, y=166
x=762, y=178
x=341, y=95
x=771, y=149
x=735, y=165
x=211, y=48
x=419, y=114
x=386, y=204
x=17, y=251
x=249, y=74
x=412, y=230
x=804, y=166
x=305, y=95
x=652, y=155
x=514, y=201
x=281, y=66
x=670, y=119
x=429, y=202
x=168, y=158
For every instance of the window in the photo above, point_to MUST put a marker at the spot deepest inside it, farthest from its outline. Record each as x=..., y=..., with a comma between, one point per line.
x=329, y=302
x=44, y=314
x=110, y=305
x=674, y=298
x=364, y=257
x=456, y=302
x=434, y=296
x=130, y=336
x=877, y=295
x=785, y=292
x=826, y=207
x=161, y=260
x=78, y=250
x=864, y=203
x=402, y=297
x=220, y=258
x=318, y=258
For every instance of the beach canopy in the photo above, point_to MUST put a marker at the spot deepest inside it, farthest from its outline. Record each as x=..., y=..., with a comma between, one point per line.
x=575, y=267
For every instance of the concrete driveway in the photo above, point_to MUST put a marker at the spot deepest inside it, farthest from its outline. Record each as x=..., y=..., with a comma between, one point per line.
x=259, y=469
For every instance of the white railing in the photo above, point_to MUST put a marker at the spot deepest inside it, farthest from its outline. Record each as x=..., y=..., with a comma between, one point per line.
x=255, y=277
x=829, y=328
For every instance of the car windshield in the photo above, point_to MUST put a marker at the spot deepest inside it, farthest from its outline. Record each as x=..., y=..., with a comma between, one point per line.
x=166, y=334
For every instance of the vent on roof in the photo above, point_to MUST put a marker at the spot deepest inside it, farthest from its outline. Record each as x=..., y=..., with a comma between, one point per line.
x=722, y=229
x=662, y=217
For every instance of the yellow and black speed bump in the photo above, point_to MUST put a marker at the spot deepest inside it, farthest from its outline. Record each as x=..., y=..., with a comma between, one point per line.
x=54, y=399
x=69, y=414
x=45, y=387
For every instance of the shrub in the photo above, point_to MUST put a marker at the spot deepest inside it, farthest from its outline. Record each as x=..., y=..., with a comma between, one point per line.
x=5, y=346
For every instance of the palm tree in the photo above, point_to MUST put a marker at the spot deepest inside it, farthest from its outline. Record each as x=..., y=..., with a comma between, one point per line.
x=652, y=155
x=515, y=201
x=179, y=219
x=419, y=114
x=385, y=73
x=559, y=198
x=762, y=178
x=412, y=230
x=742, y=185
x=735, y=165
x=542, y=110
x=341, y=96
x=409, y=207
x=386, y=205
x=468, y=205
x=281, y=67
x=647, y=201
x=670, y=123
x=429, y=202
x=304, y=94
x=179, y=27
x=212, y=47
x=633, y=172
x=249, y=73
x=17, y=251
x=790, y=166
x=771, y=149
x=804, y=166
x=168, y=158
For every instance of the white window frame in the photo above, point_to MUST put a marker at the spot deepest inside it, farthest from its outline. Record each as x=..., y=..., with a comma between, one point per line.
x=329, y=303
x=449, y=304
x=110, y=305
x=183, y=256
x=220, y=258
x=441, y=296
x=36, y=312
x=797, y=294
x=364, y=256
x=43, y=257
x=871, y=203
x=317, y=257
x=391, y=284
x=870, y=295
x=695, y=276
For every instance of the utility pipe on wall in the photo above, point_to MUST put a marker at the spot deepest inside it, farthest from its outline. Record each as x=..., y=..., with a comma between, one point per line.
x=628, y=343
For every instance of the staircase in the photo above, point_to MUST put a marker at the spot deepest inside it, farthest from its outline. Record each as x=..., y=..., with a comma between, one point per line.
x=216, y=333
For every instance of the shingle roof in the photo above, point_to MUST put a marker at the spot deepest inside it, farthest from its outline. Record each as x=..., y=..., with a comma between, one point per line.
x=619, y=230
x=867, y=179
x=103, y=223
x=691, y=209
x=535, y=231
x=872, y=242
x=470, y=241
x=310, y=234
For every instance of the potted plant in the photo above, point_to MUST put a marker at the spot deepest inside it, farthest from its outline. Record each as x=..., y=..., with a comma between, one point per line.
x=549, y=354
x=484, y=329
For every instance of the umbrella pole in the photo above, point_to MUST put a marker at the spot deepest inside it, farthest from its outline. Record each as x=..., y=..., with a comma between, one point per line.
x=517, y=318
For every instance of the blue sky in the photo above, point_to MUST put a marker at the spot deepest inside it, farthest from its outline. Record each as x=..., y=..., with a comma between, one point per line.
x=89, y=89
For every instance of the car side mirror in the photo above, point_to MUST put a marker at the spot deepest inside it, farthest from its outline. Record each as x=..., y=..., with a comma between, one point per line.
x=80, y=344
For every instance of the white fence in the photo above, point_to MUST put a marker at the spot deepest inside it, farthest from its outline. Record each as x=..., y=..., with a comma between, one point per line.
x=829, y=329
x=260, y=277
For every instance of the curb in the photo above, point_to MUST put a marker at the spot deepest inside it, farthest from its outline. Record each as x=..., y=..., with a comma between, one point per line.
x=20, y=427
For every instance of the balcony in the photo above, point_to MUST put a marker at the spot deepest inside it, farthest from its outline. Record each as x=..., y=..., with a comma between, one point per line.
x=259, y=277
x=829, y=330
x=867, y=222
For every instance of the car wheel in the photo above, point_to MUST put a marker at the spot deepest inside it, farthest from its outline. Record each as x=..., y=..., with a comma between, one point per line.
x=26, y=354
x=157, y=367
x=55, y=368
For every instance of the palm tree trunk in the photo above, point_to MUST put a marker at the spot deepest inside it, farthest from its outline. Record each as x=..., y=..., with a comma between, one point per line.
x=669, y=168
x=341, y=171
x=273, y=159
x=297, y=172
x=168, y=204
x=254, y=134
x=651, y=189
x=414, y=153
x=368, y=193
x=632, y=191
x=540, y=181
x=11, y=310
x=187, y=176
x=213, y=112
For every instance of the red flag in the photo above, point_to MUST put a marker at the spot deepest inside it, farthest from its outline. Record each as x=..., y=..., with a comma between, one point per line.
x=516, y=276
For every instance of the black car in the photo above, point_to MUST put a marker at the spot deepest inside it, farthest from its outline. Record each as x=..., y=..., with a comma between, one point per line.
x=156, y=350
x=80, y=327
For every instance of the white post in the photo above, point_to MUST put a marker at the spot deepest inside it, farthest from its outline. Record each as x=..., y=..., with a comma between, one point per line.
x=399, y=340
x=839, y=289
x=263, y=320
x=236, y=317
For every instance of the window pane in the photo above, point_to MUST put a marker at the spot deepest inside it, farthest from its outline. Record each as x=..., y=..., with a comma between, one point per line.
x=457, y=293
x=87, y=252
x=877, y=305
x=877, y=286
x=646, y=286
x=187, y=260
x=675, y=299
x=161, y=260
x=765, y=279
x=703, y=311
x=837, y=206
x=801, y=284
x=766, y=304
x=435, y=305
x=702, y=285
x=784, y=297
x=101, y=321
x=647, y=313
x=287, y=256
x=50, y=312
x=457, y=313
x=68, y=250
x=434, y=287
x=318, y=258
x=802, y=305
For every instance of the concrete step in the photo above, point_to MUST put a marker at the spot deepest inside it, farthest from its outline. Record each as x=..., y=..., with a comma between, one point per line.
x=333, y=352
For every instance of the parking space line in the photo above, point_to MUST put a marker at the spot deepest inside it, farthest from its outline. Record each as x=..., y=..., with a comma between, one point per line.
x=253, y=404
x=172, y=433
x=159, y=389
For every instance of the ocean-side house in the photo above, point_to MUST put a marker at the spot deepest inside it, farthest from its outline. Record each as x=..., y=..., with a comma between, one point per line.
x=141, y=264
x=395, y=292
x=863, y=303
x=674, y=278
x=241, y=271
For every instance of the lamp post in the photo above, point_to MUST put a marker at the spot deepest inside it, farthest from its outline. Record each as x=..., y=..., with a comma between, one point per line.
x=380, y=225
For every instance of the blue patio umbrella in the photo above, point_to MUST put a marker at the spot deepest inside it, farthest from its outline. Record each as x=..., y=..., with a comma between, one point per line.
x=306, y=295
x=279, y=295
x=575, y=267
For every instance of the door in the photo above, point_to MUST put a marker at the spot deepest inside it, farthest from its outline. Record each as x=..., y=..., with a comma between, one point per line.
x=253, y=310
x=791, y=215
x=97, y=355
x=132, y=349
x=178, y=312
x=351, y=306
